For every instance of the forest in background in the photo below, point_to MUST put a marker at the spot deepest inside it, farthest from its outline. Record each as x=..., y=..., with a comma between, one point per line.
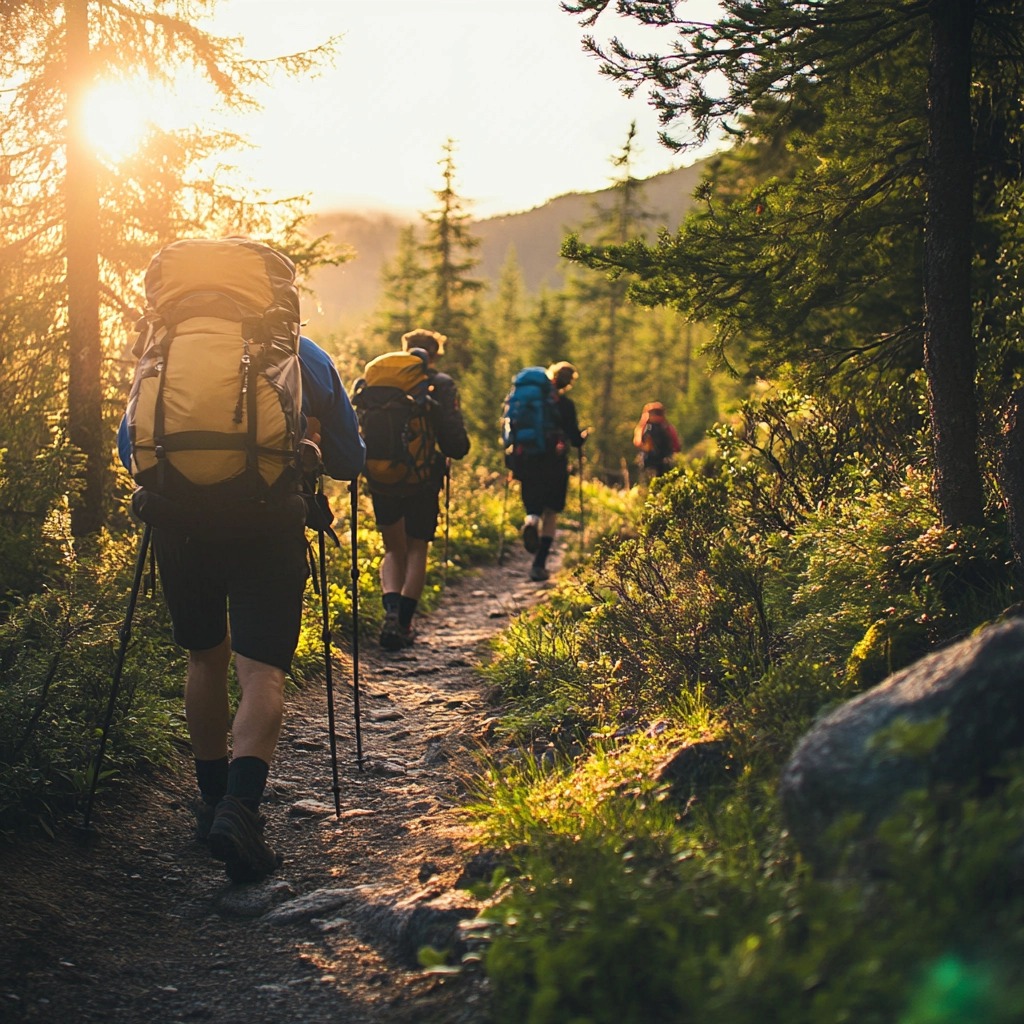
x=627, y=355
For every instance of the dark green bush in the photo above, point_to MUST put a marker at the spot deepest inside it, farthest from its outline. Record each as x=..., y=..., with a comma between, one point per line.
x=57, y=649
x=717, y=921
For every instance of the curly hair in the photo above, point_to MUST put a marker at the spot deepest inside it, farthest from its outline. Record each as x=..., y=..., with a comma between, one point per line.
x=422, y=338
x=562, y=374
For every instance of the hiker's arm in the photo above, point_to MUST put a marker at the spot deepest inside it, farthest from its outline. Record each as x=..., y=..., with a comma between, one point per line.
x=674, y=437
x=324, y=398
x=342, y=448
x=452, y=438
x=638, y=434
x=124, y=444
x=571, y=424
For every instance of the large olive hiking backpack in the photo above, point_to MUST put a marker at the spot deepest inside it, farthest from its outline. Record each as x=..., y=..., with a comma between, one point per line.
x=530, y=426
x=215, y=407
x=396, y=419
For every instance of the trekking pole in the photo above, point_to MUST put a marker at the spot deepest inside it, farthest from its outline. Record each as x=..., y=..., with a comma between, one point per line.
x=504, y=515
x=329, y=672
x=354, y=491
x=86, y=829
x=447, y=516
x=582, y=530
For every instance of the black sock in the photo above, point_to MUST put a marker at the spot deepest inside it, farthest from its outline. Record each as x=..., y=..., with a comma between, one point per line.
x=247, y=778
x=406, y=609
x=543, y=551
x=212, y=777
x=391, y=602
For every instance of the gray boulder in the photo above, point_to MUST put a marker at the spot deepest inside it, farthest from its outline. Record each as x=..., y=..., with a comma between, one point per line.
x=949, y=718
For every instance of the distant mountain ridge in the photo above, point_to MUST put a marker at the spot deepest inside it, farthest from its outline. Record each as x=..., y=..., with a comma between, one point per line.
x=349, y=293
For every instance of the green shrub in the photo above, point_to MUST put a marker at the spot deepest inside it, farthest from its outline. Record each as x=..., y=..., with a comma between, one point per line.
x=57, y=651
x=626, y=914
x=762, y=585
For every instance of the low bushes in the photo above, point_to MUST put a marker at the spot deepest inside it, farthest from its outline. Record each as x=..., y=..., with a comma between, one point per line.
x=754, y=594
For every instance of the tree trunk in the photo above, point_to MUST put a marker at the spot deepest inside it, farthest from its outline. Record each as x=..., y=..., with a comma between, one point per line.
x=1011, y=475
x=949, y=356
x=604, y=423
x=85, y=392
x=684, y=385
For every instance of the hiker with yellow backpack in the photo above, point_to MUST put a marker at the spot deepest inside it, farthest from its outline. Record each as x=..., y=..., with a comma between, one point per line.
x=412, y=425
x=227, y=403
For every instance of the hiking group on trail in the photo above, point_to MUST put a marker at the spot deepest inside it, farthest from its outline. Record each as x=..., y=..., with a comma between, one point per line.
x=232, y=420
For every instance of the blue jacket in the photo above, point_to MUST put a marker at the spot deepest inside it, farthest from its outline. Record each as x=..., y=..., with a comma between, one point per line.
x=323, y=397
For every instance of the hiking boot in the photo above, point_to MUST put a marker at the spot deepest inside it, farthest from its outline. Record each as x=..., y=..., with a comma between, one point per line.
x=391, y=633
x=236, y=837
x=531, y=534
x=203, y=813
x=538, y=573
x=407, y=635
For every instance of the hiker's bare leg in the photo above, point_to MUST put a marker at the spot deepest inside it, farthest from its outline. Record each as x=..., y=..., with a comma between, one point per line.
x=206, y=701
x=549, y=524
x=393, y=565
x=415, y=568
x=257, y=722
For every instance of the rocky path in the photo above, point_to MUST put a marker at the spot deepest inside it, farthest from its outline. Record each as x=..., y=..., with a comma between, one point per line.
x=145, y=928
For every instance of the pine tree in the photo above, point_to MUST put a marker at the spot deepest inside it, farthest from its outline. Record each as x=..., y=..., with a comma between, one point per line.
x=83, y=225
x=449, y=249
x=548, y=328
x=496, y=353
x=601, y=300
x=404, y=302
x=951, y=123
x=507, y=308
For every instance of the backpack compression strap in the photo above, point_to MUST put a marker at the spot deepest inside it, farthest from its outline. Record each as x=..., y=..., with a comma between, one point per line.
x=211, y=440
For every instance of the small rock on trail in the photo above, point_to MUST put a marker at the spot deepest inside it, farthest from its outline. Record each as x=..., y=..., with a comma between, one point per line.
x=252, y=900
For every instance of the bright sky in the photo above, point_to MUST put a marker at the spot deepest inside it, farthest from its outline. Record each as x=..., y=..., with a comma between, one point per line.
x=506, y=78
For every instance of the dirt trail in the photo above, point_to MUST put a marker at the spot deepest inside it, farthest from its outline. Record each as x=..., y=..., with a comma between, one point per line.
x=145, y=928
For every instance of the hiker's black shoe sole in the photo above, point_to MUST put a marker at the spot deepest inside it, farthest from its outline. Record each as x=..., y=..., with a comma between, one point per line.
x=391, y=641
x=236, y=838
x=531, y=538
x=390, y=633
x=204, y=814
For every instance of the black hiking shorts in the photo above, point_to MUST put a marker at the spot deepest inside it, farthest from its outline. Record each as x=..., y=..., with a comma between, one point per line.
x=544, y=483
x=258, y=582
x=420, y=512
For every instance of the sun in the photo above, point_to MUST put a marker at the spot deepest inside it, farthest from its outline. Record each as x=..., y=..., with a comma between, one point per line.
x=116, y=118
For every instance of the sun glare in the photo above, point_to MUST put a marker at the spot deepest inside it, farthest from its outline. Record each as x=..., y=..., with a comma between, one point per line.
x=116, y=118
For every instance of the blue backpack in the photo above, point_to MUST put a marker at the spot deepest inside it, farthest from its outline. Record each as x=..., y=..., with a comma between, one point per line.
x=529, y=422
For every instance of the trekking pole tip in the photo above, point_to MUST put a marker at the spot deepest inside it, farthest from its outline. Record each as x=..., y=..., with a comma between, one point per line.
x=85, y=834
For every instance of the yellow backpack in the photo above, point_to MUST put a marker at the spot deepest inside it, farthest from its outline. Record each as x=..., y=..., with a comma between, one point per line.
x=395, y=412
x=214, y=411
